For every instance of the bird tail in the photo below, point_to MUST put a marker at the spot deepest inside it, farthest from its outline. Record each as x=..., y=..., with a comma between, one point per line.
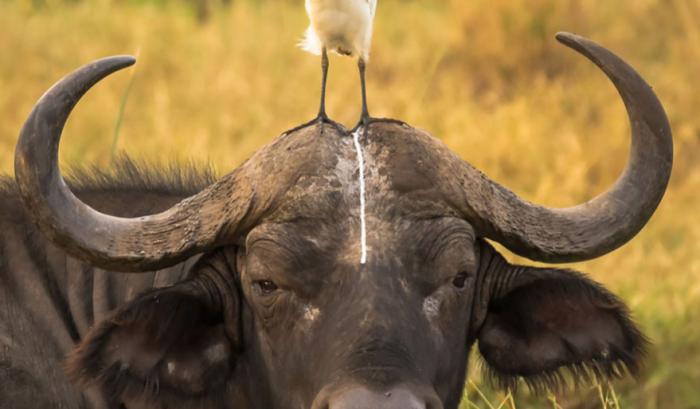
x=311, y=43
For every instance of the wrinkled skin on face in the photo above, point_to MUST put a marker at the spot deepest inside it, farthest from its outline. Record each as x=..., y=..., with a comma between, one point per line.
x=391, y=320
x=289, y=318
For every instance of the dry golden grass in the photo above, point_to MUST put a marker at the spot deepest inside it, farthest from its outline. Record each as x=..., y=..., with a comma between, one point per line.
x=485, y=76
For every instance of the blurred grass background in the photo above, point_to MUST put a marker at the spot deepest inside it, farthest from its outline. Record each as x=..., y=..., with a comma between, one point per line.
x=215, y=83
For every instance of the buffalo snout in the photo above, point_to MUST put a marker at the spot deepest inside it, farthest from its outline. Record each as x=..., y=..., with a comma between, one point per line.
x=360, y=397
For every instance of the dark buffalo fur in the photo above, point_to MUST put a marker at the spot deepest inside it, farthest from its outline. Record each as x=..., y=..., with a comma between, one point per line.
x=583, y=365
x=30, y=360
x=166, y=325
x=126, y=174
x=561, y=312
x=543, y=326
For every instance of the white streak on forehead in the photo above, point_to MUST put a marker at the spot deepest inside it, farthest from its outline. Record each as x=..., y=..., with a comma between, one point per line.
x=363, y=220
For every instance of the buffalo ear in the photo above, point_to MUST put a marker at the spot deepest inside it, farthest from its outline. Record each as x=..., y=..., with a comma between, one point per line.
x=549, y=320
x=168, y=345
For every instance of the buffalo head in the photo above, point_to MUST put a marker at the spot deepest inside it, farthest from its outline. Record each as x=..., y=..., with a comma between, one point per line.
x=279, y=312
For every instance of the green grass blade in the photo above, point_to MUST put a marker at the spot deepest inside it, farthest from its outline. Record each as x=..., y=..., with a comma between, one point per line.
x=122, y=107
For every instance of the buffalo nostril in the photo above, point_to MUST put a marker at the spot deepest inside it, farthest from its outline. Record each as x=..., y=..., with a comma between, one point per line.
x=433, y=402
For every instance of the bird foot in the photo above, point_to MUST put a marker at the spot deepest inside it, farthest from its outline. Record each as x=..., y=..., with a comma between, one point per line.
x=367, y=120
x=323, y=120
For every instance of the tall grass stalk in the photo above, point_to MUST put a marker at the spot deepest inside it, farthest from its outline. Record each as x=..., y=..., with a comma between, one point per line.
x=122, y=108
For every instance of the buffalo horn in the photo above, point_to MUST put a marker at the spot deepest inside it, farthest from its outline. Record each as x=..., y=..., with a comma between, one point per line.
x=193, y=225
x=604, y=223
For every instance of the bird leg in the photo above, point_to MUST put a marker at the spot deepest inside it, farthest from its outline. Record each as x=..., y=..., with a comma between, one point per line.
x=322, y=118
x=365, y=118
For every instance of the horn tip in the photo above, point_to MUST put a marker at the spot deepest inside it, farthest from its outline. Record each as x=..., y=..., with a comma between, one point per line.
x=123, y=60
x=567, y=38
x=579, y=43
x=108, y=65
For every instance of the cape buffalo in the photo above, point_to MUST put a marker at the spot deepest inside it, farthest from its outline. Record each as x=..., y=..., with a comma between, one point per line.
x=263, y=301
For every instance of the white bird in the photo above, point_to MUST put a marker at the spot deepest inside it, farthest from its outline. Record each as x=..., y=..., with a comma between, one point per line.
x=343, y=27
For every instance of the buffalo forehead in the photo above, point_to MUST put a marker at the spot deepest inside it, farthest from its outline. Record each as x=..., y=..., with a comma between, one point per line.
x=403, y=173
x=319, y=174
x=321, y=198
x=402, y=161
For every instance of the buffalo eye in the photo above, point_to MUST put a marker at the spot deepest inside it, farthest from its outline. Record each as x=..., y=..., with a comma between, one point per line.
x=460, y=279
x=266, y=287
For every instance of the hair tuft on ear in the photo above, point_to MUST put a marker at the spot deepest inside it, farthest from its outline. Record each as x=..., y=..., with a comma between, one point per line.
x=167, y=348
x=554, y=328
x=557, y=379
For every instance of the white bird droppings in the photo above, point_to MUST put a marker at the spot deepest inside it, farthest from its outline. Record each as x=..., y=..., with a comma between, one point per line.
x=215, y=352
x=311, y=313
x=363, y=220
x=431, y=307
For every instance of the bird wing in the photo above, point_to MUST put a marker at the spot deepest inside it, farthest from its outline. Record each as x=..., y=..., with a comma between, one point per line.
x=372, y=7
